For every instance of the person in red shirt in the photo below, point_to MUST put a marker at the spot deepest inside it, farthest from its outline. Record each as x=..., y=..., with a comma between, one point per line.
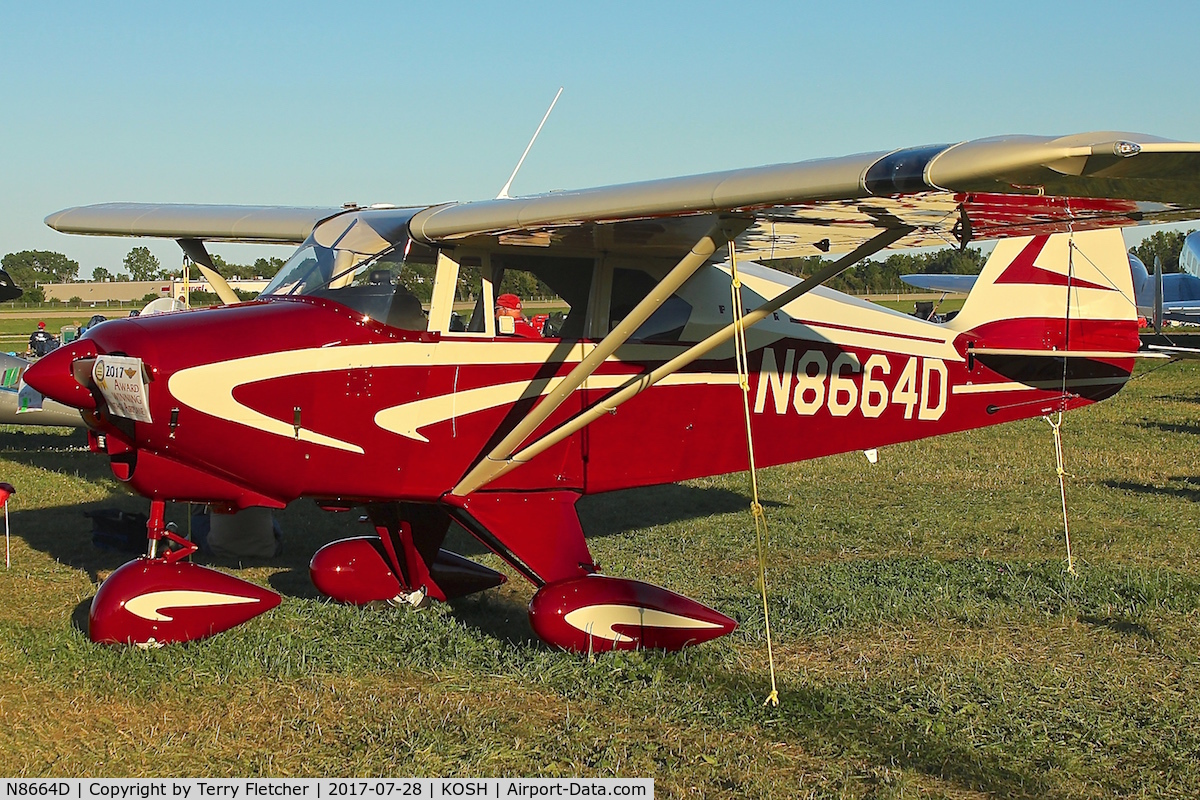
x=508, y=306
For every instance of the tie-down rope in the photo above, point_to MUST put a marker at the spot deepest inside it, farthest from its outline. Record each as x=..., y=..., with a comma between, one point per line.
x=756, y=509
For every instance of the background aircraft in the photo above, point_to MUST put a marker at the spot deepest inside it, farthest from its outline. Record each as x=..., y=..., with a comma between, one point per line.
x=340, y=384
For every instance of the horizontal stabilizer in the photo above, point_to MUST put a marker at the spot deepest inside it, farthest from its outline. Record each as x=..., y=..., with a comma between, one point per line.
x=1176, y=352
x=957, y=284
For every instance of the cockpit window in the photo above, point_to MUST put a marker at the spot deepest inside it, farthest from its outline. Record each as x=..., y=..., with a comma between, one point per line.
x=363, y=260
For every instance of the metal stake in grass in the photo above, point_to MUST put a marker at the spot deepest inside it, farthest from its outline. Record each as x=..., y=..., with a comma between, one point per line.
x=6, y=491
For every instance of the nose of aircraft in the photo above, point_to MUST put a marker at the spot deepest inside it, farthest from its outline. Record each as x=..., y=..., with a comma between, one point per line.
x=65, y=375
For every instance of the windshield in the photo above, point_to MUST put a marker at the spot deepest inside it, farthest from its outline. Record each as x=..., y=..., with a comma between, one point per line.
x=364, y=260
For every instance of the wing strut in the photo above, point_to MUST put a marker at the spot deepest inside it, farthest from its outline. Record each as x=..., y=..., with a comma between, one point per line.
x=195, y=250
x=494, y=464
x=481, y=475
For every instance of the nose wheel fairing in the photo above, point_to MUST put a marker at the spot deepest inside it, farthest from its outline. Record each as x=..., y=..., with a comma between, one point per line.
x=160, y=599
x=151, y=601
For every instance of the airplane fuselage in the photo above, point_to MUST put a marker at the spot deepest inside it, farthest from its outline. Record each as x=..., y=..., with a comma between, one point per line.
x=266, y=402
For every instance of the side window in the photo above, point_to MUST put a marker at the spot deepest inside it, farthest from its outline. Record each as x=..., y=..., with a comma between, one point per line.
x=542, y=298
x=630, y=287
x=470, y=311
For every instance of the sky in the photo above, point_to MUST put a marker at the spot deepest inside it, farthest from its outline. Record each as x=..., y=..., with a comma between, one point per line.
x=306, y=103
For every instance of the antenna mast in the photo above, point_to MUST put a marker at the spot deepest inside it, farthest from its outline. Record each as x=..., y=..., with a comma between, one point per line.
x=504, y=195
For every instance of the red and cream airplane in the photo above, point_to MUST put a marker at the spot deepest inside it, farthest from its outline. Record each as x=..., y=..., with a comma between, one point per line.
x=373, y=371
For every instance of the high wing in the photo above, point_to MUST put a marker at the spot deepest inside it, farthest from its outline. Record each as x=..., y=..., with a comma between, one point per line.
x=193, y=225
x=985, y=189
x=939, y=194
x=214, y=223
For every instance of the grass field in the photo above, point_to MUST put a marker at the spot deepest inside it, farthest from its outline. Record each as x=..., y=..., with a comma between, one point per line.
x=928, y=638
x=14, y=330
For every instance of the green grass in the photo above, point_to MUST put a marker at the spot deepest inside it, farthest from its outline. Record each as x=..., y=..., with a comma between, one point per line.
x=928, y=639
x=15, y=331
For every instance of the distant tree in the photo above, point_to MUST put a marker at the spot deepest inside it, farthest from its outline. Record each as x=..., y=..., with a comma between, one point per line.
x=261, y=268
x=1165, y=245
x=101, y=274
x=418, y=279
x=523, y=284
x=30, y=267
x=872, y=277
x=143, y=265
x=121, y=276
x=267, y=267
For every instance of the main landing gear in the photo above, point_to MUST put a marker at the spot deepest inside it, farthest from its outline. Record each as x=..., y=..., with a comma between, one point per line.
x=404, y=563
x=162, y=599
x=539, y=535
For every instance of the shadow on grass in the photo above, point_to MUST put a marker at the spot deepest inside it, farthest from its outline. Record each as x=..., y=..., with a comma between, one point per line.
x=617, y=512
x=1179, y=398
x=499, y=617
x=79, y=617
x=1189, y=428
x=1184, y=492
x=63, y=533
x=1117, y=625
x=857, y=719
x=16, y=440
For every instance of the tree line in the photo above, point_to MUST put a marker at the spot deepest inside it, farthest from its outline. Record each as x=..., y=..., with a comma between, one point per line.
x=29, y=268
x=883, y=277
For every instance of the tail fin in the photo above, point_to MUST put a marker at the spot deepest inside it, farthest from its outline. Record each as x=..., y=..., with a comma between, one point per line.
x=1063, y=291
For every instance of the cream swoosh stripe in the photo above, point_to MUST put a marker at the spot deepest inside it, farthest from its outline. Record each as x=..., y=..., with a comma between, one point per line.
x=149, y=606
x=598, y=620
x=405, y=420
x=1015, y=386
x=209, y=388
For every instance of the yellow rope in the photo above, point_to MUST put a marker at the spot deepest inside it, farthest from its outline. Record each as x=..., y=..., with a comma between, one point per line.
x=1062, y=485
x=756, y=509
x=1062, y=404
